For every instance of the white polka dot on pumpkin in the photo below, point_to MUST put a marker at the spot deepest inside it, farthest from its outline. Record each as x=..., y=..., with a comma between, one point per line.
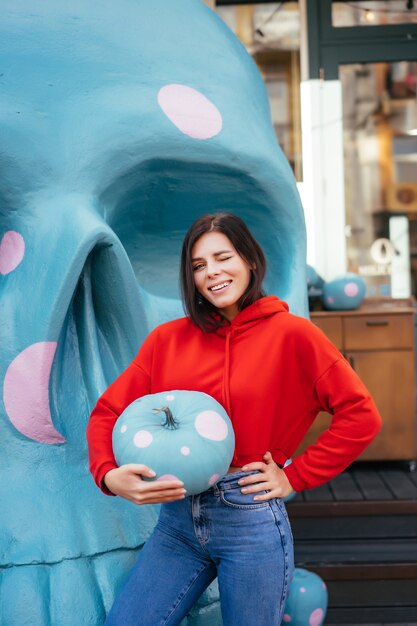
x=213, y=479
x=316, y=617
x=185, y=450
x=211, y=425
x=142, y=439
x=123, y=428
x=170, y=397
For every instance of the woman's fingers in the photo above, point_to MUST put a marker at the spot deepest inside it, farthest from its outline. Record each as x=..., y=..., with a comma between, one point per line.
x=273, y=491
x=257, y=487
x=251, y=467
x=270, y=478
x=161, y=485
x=267, y=496
x=126, y=481
x=159, y=491
x=253, y=478
x=138, y=468
x=158, y=497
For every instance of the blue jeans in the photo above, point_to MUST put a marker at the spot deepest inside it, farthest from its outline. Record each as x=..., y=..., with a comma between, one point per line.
x=220, y=532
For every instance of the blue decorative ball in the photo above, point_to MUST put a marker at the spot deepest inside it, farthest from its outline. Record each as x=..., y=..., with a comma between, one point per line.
x=313, y=278
x=345, y=293
x=307, y=600
x=290, y=497
x=185, y=435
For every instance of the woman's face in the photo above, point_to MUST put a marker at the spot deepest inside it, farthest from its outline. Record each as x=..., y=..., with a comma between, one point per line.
x=220, y=274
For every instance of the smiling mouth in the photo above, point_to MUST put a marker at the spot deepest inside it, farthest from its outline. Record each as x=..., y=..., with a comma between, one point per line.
x=220, y=286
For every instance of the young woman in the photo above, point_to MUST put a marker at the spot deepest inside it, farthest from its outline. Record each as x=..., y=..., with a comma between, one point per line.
x=273, y=372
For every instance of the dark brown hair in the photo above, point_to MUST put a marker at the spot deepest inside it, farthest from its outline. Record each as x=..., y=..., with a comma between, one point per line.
x=204, y=314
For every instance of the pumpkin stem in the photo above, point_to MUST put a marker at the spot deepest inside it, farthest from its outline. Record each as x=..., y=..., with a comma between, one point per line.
x=170, y=421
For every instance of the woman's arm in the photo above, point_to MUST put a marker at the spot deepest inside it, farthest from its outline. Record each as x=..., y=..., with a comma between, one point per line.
x=125, y=481
x=133, y=383
x=355, y=422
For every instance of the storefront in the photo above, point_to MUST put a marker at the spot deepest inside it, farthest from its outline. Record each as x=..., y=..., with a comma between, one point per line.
x=341, y=78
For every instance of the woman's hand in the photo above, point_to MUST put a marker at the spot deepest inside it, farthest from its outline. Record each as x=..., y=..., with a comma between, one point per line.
x=271, y=479
x=126, y=481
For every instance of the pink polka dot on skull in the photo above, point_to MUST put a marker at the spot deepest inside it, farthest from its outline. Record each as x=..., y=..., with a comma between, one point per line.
x=185, y=450
x=286, y=618
x=302, y=589
x=316, y=617
x=30, y=411
x=211, y=425
x=123, y=428
x=12, y=251
x=351, y=290
x=142, y=439
x=213, y=479
x=330, y=299
x=170, y=397
x=190, y=111
x=167, y=477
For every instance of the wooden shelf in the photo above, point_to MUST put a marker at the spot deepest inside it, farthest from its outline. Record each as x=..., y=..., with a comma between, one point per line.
x=378, y=342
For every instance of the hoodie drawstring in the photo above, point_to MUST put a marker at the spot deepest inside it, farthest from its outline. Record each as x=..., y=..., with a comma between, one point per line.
x=226, y=374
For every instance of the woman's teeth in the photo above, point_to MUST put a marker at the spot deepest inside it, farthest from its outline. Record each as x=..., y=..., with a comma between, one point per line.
x=221, y=286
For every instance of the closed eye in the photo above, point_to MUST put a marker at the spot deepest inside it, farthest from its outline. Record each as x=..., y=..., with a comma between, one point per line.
x=199, y=266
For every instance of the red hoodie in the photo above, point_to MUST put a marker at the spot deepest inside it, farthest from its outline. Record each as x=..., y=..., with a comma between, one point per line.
x=271, y=370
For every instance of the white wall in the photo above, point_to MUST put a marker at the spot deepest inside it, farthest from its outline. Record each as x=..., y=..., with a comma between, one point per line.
x=322, y=190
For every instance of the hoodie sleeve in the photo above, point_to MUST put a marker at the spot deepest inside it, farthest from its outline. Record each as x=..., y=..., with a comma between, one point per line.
x=133, y=383
x=355, y=422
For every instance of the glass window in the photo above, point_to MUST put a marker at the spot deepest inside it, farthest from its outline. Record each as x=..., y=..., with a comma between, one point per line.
x=271, y=34
x=373, y=13
x=380, y=153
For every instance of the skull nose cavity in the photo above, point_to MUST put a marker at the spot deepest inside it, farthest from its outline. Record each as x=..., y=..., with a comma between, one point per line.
x=107, y=315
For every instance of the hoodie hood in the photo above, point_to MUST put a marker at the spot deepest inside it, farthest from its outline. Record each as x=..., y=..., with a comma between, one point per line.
x=252, y=314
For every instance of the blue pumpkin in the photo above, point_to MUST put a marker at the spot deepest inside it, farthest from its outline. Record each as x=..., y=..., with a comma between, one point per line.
x=179, y=434
x=307, y=600
x=345, y=293
x=313, y=278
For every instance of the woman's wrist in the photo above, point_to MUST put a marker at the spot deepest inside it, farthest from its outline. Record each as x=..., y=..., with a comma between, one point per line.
x=104, y=483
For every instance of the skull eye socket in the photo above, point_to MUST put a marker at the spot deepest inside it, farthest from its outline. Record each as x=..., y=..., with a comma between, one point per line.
x=151, y=208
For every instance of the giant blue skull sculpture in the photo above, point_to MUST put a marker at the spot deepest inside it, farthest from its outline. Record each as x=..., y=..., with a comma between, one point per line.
x=120, y=124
